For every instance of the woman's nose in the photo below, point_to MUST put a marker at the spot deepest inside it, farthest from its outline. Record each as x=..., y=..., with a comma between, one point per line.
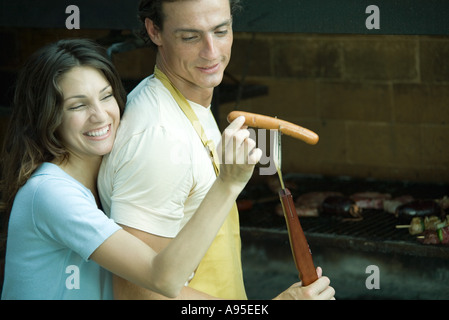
x=98, y=113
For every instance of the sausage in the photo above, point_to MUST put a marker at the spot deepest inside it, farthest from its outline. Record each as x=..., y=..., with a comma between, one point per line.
x=265, y=122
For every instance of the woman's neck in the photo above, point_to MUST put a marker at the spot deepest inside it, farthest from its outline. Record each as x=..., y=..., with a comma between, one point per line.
x=84, y=171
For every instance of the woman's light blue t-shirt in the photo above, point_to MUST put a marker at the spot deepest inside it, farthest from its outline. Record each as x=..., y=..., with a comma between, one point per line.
x=55, y=226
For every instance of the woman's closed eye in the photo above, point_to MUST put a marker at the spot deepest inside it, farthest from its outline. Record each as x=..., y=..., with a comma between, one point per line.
x=107, y=97
x=77, y=107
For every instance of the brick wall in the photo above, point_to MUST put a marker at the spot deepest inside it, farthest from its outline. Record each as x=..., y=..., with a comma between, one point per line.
x=379, y=103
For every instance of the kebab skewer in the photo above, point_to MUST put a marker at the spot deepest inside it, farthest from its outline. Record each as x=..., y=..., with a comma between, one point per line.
x=429, y=230
x=439, y=236
x=418, y=224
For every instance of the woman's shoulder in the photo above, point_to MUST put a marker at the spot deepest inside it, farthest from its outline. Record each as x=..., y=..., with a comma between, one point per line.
x=51, y=198
x=48, y=177
x=51, y=187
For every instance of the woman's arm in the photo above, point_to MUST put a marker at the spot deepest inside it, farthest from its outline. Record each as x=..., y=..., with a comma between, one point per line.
x=166, y=272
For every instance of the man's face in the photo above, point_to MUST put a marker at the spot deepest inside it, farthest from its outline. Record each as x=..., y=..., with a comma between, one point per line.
x=196, y=40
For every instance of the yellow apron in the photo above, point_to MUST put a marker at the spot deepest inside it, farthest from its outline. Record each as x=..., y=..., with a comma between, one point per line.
x=220, y=272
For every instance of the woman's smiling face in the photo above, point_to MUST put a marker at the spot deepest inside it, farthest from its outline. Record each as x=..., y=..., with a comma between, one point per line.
x=91, y=114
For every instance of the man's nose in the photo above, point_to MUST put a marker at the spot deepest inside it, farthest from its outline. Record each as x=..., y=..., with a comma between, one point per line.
x=209, y=50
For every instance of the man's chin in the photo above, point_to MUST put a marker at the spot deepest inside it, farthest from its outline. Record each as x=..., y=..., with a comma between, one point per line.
x=212, y=81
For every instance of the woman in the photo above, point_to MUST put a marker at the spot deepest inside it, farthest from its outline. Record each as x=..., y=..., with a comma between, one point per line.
x=67, y=108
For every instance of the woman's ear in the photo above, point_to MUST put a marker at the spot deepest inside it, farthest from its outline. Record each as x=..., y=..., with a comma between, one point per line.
x=153, y=31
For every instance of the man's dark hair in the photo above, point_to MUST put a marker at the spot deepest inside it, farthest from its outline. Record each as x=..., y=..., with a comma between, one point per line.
x=152, y=9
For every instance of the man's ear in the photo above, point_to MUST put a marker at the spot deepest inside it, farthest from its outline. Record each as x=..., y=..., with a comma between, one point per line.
x=153, y=31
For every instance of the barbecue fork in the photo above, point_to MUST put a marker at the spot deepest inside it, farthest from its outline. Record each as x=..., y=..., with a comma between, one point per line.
x=298, y=242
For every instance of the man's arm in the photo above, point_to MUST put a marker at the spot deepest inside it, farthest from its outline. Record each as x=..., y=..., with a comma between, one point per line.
x=125, y=290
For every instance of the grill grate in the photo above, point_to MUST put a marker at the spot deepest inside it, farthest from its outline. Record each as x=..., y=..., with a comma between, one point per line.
x=375, y=225
x=376, y=230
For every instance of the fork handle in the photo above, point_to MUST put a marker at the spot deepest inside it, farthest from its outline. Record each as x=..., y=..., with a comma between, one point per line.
x=298, y=242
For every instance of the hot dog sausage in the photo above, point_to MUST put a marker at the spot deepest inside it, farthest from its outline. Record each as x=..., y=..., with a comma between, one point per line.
x=265, y=122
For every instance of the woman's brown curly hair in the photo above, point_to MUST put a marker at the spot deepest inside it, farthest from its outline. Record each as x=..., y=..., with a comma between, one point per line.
x=31, y=138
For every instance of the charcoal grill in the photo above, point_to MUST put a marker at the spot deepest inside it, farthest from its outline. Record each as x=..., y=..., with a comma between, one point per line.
x=375, y=232
x=410, y=270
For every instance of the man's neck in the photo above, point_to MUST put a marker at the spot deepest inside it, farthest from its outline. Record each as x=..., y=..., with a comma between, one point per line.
x=201, y=96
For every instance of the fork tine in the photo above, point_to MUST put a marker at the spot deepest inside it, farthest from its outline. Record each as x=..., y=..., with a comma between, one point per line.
x=279, y=142
x=277, y=155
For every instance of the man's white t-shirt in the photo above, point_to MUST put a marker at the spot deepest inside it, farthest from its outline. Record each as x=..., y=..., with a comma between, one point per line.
x=158, y=171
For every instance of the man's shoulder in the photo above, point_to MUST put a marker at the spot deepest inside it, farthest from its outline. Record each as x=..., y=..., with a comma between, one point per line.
x=142, y=109
x=147, y=93
x=149, y=105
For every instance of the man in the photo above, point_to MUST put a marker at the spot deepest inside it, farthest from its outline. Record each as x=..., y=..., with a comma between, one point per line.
x=161, y=165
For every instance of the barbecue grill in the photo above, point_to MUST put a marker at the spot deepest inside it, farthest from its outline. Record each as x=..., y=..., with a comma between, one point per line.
x=408, y=269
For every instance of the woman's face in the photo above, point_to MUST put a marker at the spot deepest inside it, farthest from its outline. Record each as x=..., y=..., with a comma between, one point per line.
x=91, y=114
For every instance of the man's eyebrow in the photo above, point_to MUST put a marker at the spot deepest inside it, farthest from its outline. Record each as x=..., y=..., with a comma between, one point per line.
x=81, y=96
x=225, y=23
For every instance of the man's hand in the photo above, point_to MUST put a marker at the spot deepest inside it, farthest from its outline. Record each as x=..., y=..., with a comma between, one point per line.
x=318, y=290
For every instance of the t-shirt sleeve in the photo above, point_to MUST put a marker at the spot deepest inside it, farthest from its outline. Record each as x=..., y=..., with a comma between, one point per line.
x=152, y=180
x=67, y=213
